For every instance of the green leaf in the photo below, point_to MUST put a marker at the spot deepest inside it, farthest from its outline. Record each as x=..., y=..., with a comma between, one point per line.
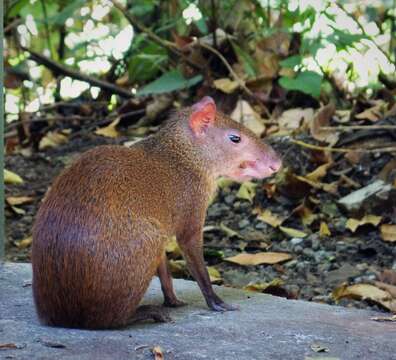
x=342, y=39
x=308, y=82
x=145, y=65
x=16, y=7
x=291, y=61
x=246, y=60
x=67, y=12
x=170, y=81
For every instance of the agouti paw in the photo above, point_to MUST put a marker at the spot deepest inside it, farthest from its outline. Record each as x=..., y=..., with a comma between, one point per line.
x=174, y=303
x=222, y=306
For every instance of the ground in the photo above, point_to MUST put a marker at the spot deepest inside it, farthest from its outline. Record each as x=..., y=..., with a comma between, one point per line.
x=317, y=267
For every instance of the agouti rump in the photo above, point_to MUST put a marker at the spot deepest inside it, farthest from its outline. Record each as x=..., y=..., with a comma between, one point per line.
x=100, y=234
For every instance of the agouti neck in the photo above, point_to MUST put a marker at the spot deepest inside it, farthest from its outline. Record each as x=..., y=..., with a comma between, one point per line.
x=175, y=142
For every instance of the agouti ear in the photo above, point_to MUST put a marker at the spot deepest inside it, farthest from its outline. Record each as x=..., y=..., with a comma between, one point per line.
x=203, y=115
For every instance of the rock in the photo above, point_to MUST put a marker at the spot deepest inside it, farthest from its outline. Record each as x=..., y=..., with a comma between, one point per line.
x=265, y=327
x=298, y=249
x=335, y=277
x=354, y=200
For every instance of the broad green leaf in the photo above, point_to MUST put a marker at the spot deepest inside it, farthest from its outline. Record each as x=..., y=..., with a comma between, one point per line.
x=170, y=81
x=342, y=39
x=16, y=7
x=146, y=63
x=291, y=61
x=308, y=82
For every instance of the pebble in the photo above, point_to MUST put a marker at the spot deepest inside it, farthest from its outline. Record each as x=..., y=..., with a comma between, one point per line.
x=315, y=244
x=261, y=226
x=291, y=264
x=298, y=249
x=229, y=199
x=308, y=252
x=296, y=241
x=243, y=223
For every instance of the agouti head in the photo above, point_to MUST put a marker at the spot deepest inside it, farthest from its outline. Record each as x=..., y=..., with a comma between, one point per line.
x=227, y=147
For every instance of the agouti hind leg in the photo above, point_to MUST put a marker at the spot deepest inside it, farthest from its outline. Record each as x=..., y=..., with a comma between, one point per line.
x=165, y=277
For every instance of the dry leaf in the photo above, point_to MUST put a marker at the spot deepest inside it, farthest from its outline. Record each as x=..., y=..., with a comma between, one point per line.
x=214, y=275
x=391, y=289
x=53, y=139
x=305, y=213
x=226, y=85
x=157, y=352
x=293, y=232
x=178, y=268
x=244, y=114
x=23, y=244
x=268, y=217
x=109, y=130
x=353, y=224
x=319, y=173
x=12, y=178
x=224, y=182
x=322, y=118
x=8, y=346
x=328, y=187
x=230, y=232
x=295, y=118
x=19, y=200
x=247, y=191
x=319, y=348
x=388, y=232
x=261, y=286
x=324, y=230
x=247, y=259
x=365, y=292
x=373, y=113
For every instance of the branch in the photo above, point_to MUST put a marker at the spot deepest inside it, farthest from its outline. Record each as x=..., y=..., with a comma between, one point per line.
x=63, y=70
x=359, y=127
x=168, y=45
x=342, y=150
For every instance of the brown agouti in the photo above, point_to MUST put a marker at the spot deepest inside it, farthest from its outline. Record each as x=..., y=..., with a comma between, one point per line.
x=100, y=234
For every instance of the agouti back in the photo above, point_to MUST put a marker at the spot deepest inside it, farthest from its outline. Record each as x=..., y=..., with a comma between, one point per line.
x=100, y=234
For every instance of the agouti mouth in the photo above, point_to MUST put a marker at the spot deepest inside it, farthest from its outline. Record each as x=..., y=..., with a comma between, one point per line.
x=246, y=164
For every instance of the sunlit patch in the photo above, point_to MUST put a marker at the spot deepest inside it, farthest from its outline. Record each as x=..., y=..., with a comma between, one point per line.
x=191, y=13
x=72, y=88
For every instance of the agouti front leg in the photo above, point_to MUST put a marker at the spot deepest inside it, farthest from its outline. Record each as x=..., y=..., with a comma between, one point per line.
x=165, y=277
x=191, y=243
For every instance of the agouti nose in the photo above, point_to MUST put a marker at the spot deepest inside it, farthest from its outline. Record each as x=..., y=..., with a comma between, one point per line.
x=276, y=164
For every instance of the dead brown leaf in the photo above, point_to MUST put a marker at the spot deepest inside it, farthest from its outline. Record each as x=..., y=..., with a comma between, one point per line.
x=53, y=139
x=388, y=232
x=157, y=352
x=247, y=259
x=353, y=224
x=268, y=217
x=18, y=200
x=226, y=85
x=109, y=130
x=23, y=244
x=322, y=118
x=366, y=292
x=246, y=115
x=293, y=232
x=296, y=118
x=373, y=113
x=324, y=230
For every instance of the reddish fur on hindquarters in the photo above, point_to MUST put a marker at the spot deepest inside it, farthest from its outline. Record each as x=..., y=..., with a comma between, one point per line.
x=100, y=234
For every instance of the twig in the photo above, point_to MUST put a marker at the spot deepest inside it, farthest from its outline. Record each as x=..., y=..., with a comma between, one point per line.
x=46, y=26
x=359, y=127
x=342, y=150
x=61, y=69
x=11, y=25
x=170, y=46
x=228, y=66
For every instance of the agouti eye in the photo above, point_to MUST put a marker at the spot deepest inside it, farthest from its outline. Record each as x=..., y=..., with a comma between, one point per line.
x=234, y=138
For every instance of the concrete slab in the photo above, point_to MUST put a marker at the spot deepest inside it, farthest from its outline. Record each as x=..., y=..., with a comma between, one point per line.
x=266, y=327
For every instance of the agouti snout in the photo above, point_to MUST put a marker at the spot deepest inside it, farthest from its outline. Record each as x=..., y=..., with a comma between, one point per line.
x=100, y=234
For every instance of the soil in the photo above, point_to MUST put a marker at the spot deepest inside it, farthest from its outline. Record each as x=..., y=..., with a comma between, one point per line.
x=318, y=264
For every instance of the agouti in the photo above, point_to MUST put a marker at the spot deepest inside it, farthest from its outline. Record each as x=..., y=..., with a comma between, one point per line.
x=100, y=234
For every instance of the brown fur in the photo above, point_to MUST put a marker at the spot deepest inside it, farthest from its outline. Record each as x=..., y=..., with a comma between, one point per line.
x=100, y=233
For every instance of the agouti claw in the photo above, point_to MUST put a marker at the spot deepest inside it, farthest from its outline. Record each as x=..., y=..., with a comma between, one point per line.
x=222, y=306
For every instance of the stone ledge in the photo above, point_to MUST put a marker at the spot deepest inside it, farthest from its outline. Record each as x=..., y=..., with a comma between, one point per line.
x=266, y=327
